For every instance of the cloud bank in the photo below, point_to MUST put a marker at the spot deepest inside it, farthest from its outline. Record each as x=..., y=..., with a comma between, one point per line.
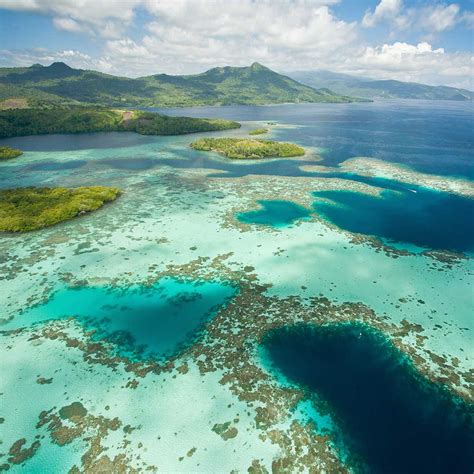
x=188, y=36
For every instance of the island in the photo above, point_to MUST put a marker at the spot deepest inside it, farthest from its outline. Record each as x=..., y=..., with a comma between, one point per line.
x=21, y=122
x=26, y=209
x=7, y=153
x=245, y=148
x=258, y=131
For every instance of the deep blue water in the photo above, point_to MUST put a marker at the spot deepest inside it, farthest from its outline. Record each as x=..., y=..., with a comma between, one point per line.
x=430, y=136
x=82, y=141
x=274, y=213
x=422, y=217
x=392, y=420
x=143, y=321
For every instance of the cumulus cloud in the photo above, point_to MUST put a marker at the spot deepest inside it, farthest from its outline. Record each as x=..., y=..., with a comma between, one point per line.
x=385, y=10
x=218, y=32
x=189, y=36
x=107, y=18
x=431, y=19
x=417, y=63
x=438, y=18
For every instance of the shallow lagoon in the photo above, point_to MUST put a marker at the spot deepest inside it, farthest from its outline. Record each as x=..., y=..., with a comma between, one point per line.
x=274, y=213
x=174, y=220
x=142, y=321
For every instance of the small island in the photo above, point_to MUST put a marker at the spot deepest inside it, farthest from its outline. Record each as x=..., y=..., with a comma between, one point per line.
x=7, y=153
x=258, y=131
x=248, y=149
x=26, y=209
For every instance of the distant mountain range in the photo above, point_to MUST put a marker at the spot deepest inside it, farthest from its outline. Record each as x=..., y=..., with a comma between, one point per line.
x=377, y=89
x=59, y=84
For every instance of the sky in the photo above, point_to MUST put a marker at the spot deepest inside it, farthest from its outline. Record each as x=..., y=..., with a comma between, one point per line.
x=426, y=41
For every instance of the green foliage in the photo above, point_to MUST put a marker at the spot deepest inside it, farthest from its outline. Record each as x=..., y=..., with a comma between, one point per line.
x=25, y=209
x=20, y=122
x=147, y=123
x=59, y=84
x=7, y=153
x=244, y=149
x=258, y=131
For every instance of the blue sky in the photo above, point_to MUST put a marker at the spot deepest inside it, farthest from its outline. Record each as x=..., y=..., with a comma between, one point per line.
x=413, y=40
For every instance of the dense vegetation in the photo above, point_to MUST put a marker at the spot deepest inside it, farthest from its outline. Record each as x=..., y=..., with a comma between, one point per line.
x=7, y=153
x=60, y=84
x=26, y=209
x=258, y=131
x=244, y=149
x=19, y=122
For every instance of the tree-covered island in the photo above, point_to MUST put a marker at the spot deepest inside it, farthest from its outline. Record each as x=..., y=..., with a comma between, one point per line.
x=245, y=148
x=7, y=153
x=258, y=131
x=26, y=209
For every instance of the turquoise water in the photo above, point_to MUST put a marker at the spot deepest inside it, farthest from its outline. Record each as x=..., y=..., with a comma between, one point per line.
x=274, y=214
x=393, y=420
x=425, y=218
x=143, y=321
x=177, y=217
x=430, y=136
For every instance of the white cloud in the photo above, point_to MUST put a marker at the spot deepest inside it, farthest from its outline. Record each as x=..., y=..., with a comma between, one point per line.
x=385, y=10
x=431, y=19
x=67, y=24
x=107, y=18
x=27, y=57
x=438, y=18
x=187, y=36
x=416, y=63
x=203, y=34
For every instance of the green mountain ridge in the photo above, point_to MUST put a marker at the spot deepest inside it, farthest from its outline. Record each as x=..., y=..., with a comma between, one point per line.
x=377, y=88
x=59, y=84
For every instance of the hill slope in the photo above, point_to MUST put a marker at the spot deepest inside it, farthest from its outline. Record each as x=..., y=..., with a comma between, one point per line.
x=374, y=89
x=59, y=83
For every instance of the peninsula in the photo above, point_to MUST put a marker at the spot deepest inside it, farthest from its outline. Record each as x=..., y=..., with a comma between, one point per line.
x=21, y=122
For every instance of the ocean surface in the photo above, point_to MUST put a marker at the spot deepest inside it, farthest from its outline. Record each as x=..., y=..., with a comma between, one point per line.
x=223, y=314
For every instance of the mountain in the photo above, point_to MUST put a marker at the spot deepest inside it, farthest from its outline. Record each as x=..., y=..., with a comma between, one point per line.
x=61, y=84
x=375, y=89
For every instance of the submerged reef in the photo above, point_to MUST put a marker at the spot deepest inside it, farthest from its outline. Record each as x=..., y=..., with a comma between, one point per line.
x=248, y=149
x=275, y=213
x=374, y=168
x=26, y=209
x=258, y=131
x=229, y=346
